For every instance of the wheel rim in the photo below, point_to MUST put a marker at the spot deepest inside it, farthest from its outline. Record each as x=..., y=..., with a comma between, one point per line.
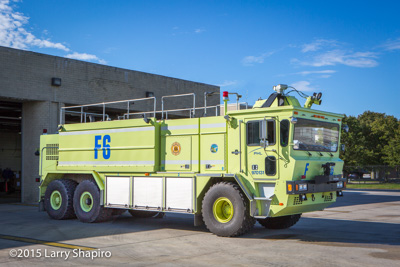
x=223, y=210
x=55, y=200
x=86, y=201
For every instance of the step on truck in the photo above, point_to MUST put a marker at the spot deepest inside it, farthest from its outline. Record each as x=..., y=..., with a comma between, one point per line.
x=269, y=163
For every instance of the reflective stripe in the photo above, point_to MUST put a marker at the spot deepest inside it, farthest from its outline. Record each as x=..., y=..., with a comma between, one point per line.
x=179, y=162
x=123, y=130
x=179, y=127
x=212, y=125
x=119, y=163
x=213, y=162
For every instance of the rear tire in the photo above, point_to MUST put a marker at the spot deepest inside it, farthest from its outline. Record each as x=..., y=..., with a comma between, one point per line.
x=58, y=199
x=87, y=204
x=144, y=214
x=282, y=222
x=226, y=211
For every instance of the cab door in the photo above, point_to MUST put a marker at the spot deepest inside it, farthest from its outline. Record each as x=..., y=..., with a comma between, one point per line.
x=262, y=160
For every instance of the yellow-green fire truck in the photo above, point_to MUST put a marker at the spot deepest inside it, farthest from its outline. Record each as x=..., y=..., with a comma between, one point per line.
x=269, y=163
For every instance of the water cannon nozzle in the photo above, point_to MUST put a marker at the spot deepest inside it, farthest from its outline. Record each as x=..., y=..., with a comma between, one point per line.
x=280, y=88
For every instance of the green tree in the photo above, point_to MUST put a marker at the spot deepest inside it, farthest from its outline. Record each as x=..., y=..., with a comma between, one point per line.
x=373, y=139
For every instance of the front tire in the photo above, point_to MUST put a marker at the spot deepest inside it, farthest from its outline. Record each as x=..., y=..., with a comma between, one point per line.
x=282, y=222
x=58, y=199
x=226, y=211
x=87, y=204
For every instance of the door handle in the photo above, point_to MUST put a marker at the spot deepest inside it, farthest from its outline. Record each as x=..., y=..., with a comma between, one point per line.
x=236, y=152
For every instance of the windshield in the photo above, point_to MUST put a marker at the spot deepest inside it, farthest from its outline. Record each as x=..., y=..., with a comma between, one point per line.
x=316, y=135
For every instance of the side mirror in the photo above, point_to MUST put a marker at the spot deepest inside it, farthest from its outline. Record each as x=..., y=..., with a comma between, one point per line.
x=343, y=147
x=263, y=134
x=346, y=128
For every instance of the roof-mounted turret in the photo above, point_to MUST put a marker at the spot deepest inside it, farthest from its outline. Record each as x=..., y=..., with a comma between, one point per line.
x=282, y=98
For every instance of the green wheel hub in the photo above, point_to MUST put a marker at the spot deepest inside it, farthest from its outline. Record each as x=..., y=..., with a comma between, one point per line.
x=55, y=200
x=86, y=201
x=223, y=210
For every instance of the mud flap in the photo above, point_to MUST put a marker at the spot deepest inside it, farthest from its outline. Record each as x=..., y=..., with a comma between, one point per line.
x=41, y=205
x=198, y=220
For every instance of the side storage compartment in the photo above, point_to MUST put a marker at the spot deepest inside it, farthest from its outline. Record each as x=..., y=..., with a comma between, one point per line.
x=148, y=193
x=118, y=193
x=213, y=145
x=180, y=145
x=179, y=194
x=174, y=194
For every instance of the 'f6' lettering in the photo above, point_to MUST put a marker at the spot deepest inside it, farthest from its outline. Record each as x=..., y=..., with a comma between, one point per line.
x=106, y=146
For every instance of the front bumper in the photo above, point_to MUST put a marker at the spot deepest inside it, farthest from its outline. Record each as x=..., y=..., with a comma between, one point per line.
x=320, y=184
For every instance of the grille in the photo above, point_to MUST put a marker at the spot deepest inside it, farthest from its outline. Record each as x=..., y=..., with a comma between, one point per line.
x=328, y=198
x=52, y=152
x=297, y=201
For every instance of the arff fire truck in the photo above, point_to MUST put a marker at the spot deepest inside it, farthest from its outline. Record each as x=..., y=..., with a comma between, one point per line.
x=269, y=163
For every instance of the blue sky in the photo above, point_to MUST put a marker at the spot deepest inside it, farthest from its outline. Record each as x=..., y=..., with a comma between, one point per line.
x=348, y=50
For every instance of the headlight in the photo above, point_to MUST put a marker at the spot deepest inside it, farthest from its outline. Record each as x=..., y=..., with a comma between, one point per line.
x=339, y=185
x=302, y=187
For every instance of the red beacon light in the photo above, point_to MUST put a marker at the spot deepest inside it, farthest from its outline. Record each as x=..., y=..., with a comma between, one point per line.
x=225, y=95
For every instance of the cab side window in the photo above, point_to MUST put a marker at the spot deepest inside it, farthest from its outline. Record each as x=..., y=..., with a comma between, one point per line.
x=285, y=132
x=253, y=132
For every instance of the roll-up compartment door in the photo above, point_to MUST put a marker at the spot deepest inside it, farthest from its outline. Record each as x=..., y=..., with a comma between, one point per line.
x=118, y=191
x=147, y=192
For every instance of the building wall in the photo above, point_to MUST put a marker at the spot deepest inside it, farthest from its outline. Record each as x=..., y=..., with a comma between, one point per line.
x=26, y=77
x=36, y=116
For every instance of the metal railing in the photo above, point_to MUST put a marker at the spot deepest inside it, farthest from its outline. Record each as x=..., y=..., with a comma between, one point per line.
x=85, y=115
x=65, y=110
x=192, y=110
x=171, y=96
x=125, y=116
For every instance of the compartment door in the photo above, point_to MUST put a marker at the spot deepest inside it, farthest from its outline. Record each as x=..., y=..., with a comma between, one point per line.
x=212, y=153
x=178, y=153
x=148, y=193
x=118, y=191
x=179, y=194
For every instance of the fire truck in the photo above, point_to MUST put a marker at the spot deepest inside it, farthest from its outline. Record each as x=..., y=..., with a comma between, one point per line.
x=269, y=163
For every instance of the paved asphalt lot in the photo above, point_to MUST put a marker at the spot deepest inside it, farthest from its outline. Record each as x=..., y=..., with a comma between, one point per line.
x=361, y=229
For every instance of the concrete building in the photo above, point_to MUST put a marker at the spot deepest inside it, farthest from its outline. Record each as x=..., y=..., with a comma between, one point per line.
x=33, y=88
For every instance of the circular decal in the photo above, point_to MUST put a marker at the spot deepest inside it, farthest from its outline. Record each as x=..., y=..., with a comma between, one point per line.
x=176, y=148
x=214, y=148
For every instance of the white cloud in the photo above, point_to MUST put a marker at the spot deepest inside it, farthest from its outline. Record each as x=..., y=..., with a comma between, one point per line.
x=392, y=45
x=307, y=72
x=303, y=86
x=14, y=34
x=251, y=60
x=227, y=83
x=317, y=45
x=337, y=56
x=199, y=30
x=325, y=76
x=86, y=57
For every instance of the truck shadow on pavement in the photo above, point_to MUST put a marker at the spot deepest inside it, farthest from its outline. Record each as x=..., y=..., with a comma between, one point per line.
x=332, y=231
x=351, y=198
x=345, y=230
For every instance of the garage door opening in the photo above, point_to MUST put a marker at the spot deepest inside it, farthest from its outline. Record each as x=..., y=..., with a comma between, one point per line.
x=10, y=152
